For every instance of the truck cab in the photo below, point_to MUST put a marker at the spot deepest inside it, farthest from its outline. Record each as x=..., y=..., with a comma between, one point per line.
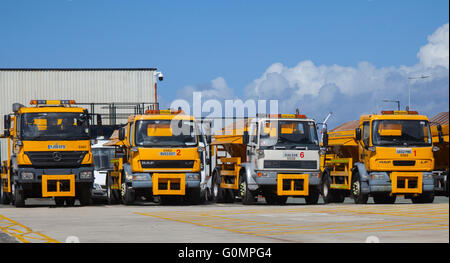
x=277, y=157
x=49, y=153
x=162, y=158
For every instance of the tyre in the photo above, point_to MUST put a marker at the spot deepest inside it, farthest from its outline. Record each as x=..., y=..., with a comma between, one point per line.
x=217, y=191
x=59, y=201
x=355, y=191
x=327, y=192
x=193, y=196
x=427, y=197
x=70, y=201
x=384, y=198
x=274, y=199
x=85, y=195
x=18, y=195
x=248, y=198
x=5, y=197
x=313, y=197
x=111, y=195
x=127, y=195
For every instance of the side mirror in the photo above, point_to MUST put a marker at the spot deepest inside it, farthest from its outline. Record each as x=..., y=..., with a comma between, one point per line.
x=358, y=134
x=208, y=139
x=245, y=138
x=121, y=134
x=440, y=135
x=16, y=107
x=7, y=122
x=325, y=139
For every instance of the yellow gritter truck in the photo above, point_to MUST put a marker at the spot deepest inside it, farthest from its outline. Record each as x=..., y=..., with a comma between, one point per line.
x=49, y=153
x=381, y=155
x=440, y=133
x=158, y=156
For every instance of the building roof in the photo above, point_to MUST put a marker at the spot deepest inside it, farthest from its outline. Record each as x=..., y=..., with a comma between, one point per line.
x=440, y=118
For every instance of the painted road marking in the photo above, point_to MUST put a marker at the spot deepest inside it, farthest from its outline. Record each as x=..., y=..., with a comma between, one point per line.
x=278, y=221
x=23, y=233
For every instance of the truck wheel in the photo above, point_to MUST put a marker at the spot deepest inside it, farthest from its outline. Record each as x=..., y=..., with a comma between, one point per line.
x=59, y=201
x=193, y=196
x=111, y=195
x=327, y=192
x=248, y=198
x=359, y=197
x=18, y=195
x=384, y=198
x=70, y=201
x=5, y=197
x=85, y=195
x=127, y=195
x=313, y=197
x=427, y=197
x=217, y=192
x=274, y=199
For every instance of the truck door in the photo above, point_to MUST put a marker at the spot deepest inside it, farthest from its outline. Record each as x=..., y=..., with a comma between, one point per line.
x=364, y=152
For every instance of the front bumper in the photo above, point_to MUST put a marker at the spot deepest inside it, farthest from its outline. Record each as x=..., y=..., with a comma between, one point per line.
x=401, y=182
x=159, y=182
x=289, y=184
x=38, y=174
x=272, y=178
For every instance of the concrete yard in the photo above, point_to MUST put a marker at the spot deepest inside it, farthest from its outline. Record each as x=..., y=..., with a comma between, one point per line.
x=403, y=222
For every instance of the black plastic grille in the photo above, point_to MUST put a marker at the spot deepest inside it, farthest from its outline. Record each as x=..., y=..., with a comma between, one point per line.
x=404, y=163
x=290, y=164
x=56, y=159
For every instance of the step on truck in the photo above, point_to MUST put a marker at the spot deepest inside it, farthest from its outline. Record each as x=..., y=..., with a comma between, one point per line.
x=440, y=133
x=275, y=155
x=158, y=158
x=49, y=153
x=382, y=156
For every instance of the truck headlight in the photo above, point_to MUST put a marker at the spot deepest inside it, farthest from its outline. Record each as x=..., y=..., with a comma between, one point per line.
x=427, y=176
x=27, y=175
x=140, y=177
x=377, y=176
x=193, y=176
x=86, y=175
x=267, y=174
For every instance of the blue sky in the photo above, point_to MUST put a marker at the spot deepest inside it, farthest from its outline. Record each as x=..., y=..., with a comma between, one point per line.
x=195, y=42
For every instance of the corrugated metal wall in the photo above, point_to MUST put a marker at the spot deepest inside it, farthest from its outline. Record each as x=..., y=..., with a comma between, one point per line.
x=82, y=85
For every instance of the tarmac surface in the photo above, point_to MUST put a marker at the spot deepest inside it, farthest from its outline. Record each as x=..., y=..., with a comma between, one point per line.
x=403, y=222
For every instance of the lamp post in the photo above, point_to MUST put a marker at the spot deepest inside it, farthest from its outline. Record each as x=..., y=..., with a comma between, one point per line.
x=409, y=87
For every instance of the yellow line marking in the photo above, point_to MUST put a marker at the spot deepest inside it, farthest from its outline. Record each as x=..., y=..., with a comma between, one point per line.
x=400, y=218
x=23, y=233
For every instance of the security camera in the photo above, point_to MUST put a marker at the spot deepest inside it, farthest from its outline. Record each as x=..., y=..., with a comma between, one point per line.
x=160, y=76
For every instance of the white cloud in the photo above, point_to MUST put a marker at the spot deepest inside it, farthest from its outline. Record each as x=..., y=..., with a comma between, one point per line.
x=435, y=53
x=348, y=91
x=215, y=89
x=352, y=91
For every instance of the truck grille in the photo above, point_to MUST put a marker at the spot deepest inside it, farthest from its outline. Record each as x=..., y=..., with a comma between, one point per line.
x=290, y=164
x=404, y=163
x=56, y=159
x=168, y=164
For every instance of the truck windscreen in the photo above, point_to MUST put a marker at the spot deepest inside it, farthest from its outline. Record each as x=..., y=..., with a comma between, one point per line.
x=288, y=135
x=47, y=126
x=401, y=133
x=102, y=158
x=165, y=133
